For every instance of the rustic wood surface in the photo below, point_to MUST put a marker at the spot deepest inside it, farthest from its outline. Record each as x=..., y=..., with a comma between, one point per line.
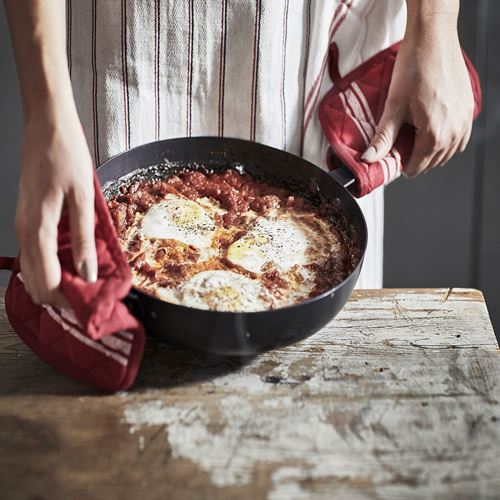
x=397, y=398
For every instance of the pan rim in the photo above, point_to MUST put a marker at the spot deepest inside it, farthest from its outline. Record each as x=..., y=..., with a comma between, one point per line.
x=304, y=303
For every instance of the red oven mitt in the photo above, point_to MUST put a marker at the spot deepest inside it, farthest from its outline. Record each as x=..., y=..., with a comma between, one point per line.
x=98, y=341
x=350, y=111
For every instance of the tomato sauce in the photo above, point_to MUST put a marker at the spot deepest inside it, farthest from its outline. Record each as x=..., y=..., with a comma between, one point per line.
x=236, y=193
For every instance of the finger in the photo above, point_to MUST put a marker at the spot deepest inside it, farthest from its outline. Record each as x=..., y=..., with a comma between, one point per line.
x=466, y=138
x=424, y=148
x=40, y=268
x=437, y=159
x=386, y=132
x=81, y=218
x=59, y=300
x=455, y=147
x=27, y=277
x=42, y=259
x=444, y=154
x=451, y=152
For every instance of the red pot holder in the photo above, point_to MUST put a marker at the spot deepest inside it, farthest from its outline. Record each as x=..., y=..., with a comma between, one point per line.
x=350, y=111
x=98, y=341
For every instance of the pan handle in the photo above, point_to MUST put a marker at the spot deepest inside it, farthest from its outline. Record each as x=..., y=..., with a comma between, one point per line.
x=339, y=171
x=343, y=175
x=134, y=305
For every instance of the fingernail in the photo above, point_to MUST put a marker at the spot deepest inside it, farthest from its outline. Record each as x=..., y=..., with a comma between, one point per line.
x=369, y=155
x=88, y=270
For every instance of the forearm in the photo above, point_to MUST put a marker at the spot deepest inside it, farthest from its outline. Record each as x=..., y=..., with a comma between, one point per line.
x=427, y=18
x=38, y=33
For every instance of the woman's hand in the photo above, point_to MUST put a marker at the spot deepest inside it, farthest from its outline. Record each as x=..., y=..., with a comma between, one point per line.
x=56, y=171
x=431, y=90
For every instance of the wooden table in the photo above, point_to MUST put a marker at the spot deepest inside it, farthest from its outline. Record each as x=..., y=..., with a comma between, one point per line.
x=397, y=397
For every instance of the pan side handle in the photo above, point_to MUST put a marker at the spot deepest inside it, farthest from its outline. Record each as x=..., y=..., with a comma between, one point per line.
x=343, y=175
x=338, y=170
x=134, y=305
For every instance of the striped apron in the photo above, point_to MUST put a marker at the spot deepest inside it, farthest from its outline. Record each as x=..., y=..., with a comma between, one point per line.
x=144, y=70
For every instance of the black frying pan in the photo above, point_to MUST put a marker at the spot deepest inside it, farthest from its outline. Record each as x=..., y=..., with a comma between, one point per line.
x=247, y=332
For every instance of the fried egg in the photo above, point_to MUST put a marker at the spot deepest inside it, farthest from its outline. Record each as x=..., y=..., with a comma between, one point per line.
x=281, y=241
x=223, y=291
x=179, y=219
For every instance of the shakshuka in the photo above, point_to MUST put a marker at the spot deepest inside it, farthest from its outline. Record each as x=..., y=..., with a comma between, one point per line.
x=228, y=241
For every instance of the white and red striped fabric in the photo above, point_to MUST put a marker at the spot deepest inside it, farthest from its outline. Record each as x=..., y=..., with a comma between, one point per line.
x=256, y=69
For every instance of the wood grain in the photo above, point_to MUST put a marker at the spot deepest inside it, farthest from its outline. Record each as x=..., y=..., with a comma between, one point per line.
x=397, y=397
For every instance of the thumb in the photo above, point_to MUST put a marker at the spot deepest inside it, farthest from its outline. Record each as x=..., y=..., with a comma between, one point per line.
x=385, y=136
x=81, y=219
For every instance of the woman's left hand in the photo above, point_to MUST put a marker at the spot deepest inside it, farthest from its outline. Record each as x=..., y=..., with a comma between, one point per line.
x=431, y=90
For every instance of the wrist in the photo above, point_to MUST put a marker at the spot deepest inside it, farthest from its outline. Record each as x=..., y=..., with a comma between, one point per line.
x=51, y=127
x=49, y=106
x=45, y=81
x=47, y=99
x=431, y=19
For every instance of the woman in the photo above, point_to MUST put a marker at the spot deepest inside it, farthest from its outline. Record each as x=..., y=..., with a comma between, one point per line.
x=140, y=71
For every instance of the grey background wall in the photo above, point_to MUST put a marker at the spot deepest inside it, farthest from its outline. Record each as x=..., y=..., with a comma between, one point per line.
x=10, y=142
x=442, y=229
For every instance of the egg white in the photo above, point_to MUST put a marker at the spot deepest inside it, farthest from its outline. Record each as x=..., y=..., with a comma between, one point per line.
x=179, y=219
x=281, y=241
x=223, y=291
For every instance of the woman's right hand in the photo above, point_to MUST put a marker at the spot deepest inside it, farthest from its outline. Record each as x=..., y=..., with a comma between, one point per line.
x=56, y=172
